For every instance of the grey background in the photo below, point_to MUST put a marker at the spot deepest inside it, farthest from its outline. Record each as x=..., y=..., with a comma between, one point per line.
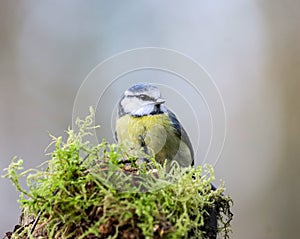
x=251, y=48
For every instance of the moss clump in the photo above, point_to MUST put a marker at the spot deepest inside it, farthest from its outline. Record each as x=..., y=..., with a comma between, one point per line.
x=87, y=191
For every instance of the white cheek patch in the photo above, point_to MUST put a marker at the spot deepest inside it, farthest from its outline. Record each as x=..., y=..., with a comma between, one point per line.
x=131, y=104
x=144, y=110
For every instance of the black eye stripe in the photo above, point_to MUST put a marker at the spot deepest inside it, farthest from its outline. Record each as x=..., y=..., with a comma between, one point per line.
x=145, y=97
x=142, y=97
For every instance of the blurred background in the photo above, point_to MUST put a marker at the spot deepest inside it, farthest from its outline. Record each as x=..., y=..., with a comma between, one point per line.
x=250, y=48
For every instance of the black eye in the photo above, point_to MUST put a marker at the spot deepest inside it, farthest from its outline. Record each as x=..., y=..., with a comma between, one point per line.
x=143, y=97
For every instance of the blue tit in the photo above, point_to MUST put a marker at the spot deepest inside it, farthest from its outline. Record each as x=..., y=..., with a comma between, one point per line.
x=144, y=122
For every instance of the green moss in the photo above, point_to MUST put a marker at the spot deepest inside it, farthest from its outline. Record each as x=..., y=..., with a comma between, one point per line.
x=87, y=191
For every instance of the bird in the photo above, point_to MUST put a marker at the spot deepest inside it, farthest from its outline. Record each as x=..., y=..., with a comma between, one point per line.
x=145, y=123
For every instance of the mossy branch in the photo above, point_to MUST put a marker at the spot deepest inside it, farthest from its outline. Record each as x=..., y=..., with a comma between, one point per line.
x=91, y=191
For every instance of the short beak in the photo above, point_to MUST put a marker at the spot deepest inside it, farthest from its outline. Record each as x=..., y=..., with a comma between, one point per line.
x=160, y=101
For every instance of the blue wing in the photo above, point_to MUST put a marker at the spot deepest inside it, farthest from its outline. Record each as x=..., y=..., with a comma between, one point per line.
x=181, y=133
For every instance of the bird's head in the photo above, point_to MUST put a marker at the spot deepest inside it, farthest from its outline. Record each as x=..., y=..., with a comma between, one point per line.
x=141, y=99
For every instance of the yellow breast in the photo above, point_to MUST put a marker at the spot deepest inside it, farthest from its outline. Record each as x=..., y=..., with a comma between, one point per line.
x=157, y=133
